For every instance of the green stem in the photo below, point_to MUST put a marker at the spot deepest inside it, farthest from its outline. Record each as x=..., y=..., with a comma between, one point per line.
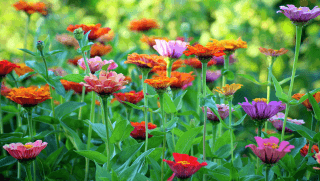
x=224, y=78
x=82, y=100
x=169, y=67
x=26, y=36
x=28, y=170
x=19, y=170
x=164, y=136
x=214, y=133
x=198, y=91
x=270, y=61
x=231, y=130
x=105, y=109
x=311, y=128
x=267, y=172
x=1, y=121
x=145, y=73
x=296, y=56
x=259, y=134
x=204, y=92
x=127, y=113
x=29, y=110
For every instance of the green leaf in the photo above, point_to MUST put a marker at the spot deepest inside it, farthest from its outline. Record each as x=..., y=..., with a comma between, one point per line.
x=286, y=80
x=315, y=106
x=22, y=77
x=6, y=161
x=99, y=128
x=105, y=67
x=279, y=92
x=102, y=173
x=86, y=48
x=61, y=174
x=93, y=155
x=121, y=131
x=303, y=131
x=28, y=51
x=187, y=113
x=229, y=74
x=53, y=52
x=73, y=137
x=10, y=108
x=305, y=97
x=46, y=119
x=178, y=101
x=169, y=106
x=134, y=106
x=55, y=157
x=223, y=151
x=298, y=144
x=54, y=81
x=184, y=143
x=74, y=78
x=240, y=121
x=209, y=102
x=66, y=108
x=250, y=78
x=36, y=66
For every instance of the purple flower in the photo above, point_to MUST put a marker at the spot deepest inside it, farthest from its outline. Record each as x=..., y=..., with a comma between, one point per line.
x=259, y=110
x=213, y=75
x=171, y=49
x=277, y=122
x=299, y=15
x=96, y=63
x=223, y=111
x=220, y=60
x=269, y=151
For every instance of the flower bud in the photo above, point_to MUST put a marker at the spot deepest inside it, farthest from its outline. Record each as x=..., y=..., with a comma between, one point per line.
x=185, y=27
x=40, y=45
x=78, y=34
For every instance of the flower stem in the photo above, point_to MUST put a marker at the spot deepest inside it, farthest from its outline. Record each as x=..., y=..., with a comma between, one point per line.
x=204, y=92
x=105, y=109
x=231, y=130
x=169, y=67
x=145, y=73
x=270, y=61
x=29, y=110
x=1, y=121
x=311, y=128
x=267, y=172
x=28, y=170
x=26, y=36
x=214, y=133
x=82, y=100
x=164, y=136
x=198, y=91
x=296, y=56
x=224, y=78
x=127, y=113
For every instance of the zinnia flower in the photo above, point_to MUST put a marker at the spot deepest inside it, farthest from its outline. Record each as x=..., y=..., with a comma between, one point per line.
x=132, y=97
x=163, y=65
x=95, y=30
x=30, y=96
x=204, y=53
x=220, y=60
x=304, y=150
x=6, y=67
x=195, y=63
x=229, y=45
x=212, y=75
x=160, y=83
x=299, y=15
x=106, y=84
x=58, y=71
x=143, y=60
x=27, y=152
x=96, y=64
x=277, y=122
x=106, y=37
x=76, y=87
x=184, y=166
x=181, y=38
x=4, y=90
x=183, y=80
x=259, y=110
x=223, y=111
x=143, y=24
x=272, y=52
x=67, y=40
x=228, y=90
x=99, y=49
x=306, y=103
x=31, y=7
x=151, y=40
x=318, y=160
x=22, y=69
x=171, y=49
x=74, y=61
x=139, y=131
x=269, y=151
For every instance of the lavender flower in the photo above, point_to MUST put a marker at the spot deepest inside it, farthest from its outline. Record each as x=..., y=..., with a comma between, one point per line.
x=220, y=60
x=212, y=75
x=171, y=49
x=223, y=111
x=299, y=15
x=277, y=122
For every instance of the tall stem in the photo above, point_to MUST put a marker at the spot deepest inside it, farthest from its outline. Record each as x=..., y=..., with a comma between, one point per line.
x=164, y=136
x=26, y=36
x=214, y=134
x=311, y=128
x=296, y=56
x=127, y=113
x=231, y=130
x=82, y=100
x=270, y=61
x=28, y=170
x=224, y=78
x=204, y=92
x=105, y=109
x=145, y=73
x=169, y=67
x=29, y=114
x=259, y=135
x=1, y=121
x=198, y=91
x=267, y=173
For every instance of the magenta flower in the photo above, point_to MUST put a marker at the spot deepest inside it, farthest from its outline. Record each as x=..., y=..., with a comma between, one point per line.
x=212, y=75
x=259, y=110
x=27, y=152
x=220, y=60
x=106, y=84
x=171, y=49
x=277, y=122
x=269, y=151
x=223, y=111
x=299, y=15
x=96, y=64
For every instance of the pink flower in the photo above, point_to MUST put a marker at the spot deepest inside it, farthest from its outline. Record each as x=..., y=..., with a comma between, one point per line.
x=223, y=111
x=107, y=84
x=269, y=151
x=26, y=152
x=96, y=64
x=277, y=122
x=317, y=155
x=172, y=49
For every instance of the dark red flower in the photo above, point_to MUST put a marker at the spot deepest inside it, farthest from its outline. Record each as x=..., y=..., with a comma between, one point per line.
x=6, y=67
x=139, y=131
x=132, y=96
x=304, y=150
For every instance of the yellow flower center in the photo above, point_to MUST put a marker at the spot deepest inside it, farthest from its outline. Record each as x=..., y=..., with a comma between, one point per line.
x=272, y=145
x=28, y=146
x=260, y=100
x=184, y=162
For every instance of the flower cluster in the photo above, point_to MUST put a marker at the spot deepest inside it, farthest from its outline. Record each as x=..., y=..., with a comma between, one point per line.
x=272, y=52
x=228, y=90
x=22, y=69
x=204, y=53
x=67, y=40
x=223, y=111
x=301, y=15
x=143, y=60
x=196, y=63
x=151, y=40
x=163, y=65
x=160, y=83
x=76, y=87
x=99, y=49
x=171, y=49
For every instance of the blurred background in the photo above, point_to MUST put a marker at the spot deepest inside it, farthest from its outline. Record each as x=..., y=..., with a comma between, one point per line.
x=256, y=22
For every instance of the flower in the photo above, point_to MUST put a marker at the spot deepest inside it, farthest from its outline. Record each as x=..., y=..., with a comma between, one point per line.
x=195, y=63
x=128, y=79
x=269, y=151
x=6, y=67
x=299, y=15
x=272, y=52
x=181, y=38
x=139, y=131
x=318, y=160
x=106, y=84
x=5, y=90
x=212, y=75
x=133, y=97
x=31, y=7
x=27, y=152
x=184, y=166
x=58, y=71
x=22, y=69
x=67, y=40
x=278, y=123
x=76, y=87
x=160, y=83
x=99, y=49
x=304, y=150
x=259, y=110
x=151, y=40
x=229, y=45
x=97, y=103
x=228, y=89
x=96, y=64
x=106, y=37
x=74, y=61
x=182, y=81
x=269, y=131
x=306, y=103
x=143, y=24
x=204, y=52
x=220, y=59
x=171, y=49
x=95, y=30
x=223, y=111
x=30, y=96
x=144, y=60
x=163, y=65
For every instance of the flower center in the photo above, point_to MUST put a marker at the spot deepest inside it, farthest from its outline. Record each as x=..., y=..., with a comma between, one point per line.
x=28, y=146
x=184, y=162
x=272, y=145
x=260, y=100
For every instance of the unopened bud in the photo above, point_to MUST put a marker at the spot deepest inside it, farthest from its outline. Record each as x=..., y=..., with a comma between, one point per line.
x=185, y=27
x=78, y=33
x=40, y=45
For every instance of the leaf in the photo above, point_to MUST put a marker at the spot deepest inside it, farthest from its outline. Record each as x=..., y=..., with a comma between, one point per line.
x=40, y=68
x=66, y=108
x=229, y=74
x=101, y=173
x=303, y=131
x=250, y=78
x=305, y=97
x=121, y=131
x=184, y=143
x=298, y=144
x=134, y=106
x=315, y=106
x=209, y=102
x=74, y=78
x=54, y=158
x=99, y=128
x=53, y=52
x=46, y=119
x=22, y=77
x=286, y=80
x=240, y=121
x=10, y=108
x=187, y=113
x=28, y=51
x=86, y=48
x=169, y=106
x=61, y=174
x=178, y=101
x=54, y=81
x=279, y=92
x=223, y=151
x=73, y=136
x=105, y=67
x=6, y=161
x=93, y=155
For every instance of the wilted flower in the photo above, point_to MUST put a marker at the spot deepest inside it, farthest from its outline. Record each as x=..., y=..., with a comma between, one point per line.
x=95, y=30
x=99, y=49
x=272, y=52
x=143, y=60
x=143, y=24
x=151, y=40
x=306, y=103
x=139, y=131
x=67, y=40
x=160, y=83
x=74, y=61
x=22, y=69
x=212, y=75
x=277, y=122
x=269, y=151
x=5, y=90
x=228, y=90
x=163, y=65
x=106, y=37
x=6, y=67
x=220, y=60
x=107, y=83
x=223, y=111
x=171, y=49
x=195, y=63
x=229, y=45
x=184, y=166
x=183, y=80
x=204, y=53
x=299, y=15
x=58, y=71
x=96, y=64
x=31, y=7
x=133, y=97
x=304, y=150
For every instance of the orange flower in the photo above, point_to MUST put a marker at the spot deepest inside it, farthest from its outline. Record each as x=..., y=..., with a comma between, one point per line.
x=5, y=90
x=306, y=102
x=304, y=150
x=74, y=61
x=139, y=131
x=183, y=80
x=22, y=69
x=97, y=103
x=195, y=63
x=6, y=67
x=177, y=64
x=144, y=60
x=99, y=49
x=150, y=40
x=143, y=24
x=67, y=40
x=95, y=32
x=229, y=45
x=76, y=87
x=128, y=79
x=31, y=7
x=160, y=83
x=272, y=52
x=228, y=89
x=204, y=52
x=106, y=37
x=30, y=96
x=132, y=97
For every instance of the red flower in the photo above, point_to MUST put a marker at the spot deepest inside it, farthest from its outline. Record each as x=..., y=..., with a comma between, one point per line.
x=76, y=87
x=95, y=32
x=99, y=49
x=195, y=63
x=139, y=131
x=6, y=67
x=304, y=150
x=143, y=25
x=204, y=52
x=185, y=165
x=74, y=61
x=31, y=7
x=132, y=97
x=5, y=90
